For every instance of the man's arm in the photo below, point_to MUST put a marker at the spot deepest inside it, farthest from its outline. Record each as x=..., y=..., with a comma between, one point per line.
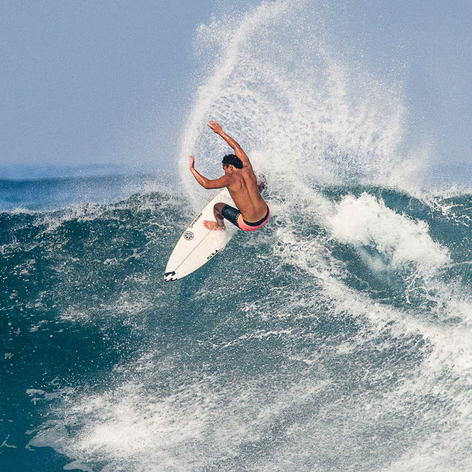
x=216, y=127
x=207, y=183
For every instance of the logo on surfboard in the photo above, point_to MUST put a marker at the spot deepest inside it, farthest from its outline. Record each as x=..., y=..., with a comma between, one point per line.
x=188, y=235
x=192, y=224
x=212, y=255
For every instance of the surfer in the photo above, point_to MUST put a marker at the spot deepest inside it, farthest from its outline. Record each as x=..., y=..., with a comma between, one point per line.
x=252, y=211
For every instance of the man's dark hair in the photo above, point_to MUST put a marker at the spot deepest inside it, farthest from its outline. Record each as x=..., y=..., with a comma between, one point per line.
x=232, y=160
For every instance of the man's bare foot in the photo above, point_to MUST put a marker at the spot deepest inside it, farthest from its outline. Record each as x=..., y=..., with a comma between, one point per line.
x=213, y=225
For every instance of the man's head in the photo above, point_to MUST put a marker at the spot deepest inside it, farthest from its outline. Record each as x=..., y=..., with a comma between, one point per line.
x=232, y=160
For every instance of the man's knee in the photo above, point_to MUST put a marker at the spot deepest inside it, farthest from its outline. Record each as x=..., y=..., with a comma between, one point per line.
x=218, y=207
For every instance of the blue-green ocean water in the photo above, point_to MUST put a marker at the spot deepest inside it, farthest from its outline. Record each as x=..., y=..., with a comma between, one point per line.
x=338, y=338
x=340, y=343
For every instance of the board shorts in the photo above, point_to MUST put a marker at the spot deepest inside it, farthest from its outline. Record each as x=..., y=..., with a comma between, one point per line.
x=233, y=215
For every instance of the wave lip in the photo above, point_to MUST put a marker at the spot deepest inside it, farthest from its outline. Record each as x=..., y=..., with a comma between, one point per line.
x=364, y=221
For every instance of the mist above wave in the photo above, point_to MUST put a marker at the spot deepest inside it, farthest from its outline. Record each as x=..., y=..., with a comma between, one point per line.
x=302, y=109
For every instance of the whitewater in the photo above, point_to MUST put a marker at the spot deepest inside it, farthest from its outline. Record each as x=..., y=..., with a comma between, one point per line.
x=336, y=338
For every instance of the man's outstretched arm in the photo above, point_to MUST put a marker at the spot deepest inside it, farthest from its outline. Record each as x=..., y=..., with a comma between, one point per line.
x=216, y=127
x=207, y=183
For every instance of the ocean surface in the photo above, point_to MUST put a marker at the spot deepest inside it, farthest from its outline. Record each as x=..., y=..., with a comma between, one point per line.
x=338, y=338
x=310, y=345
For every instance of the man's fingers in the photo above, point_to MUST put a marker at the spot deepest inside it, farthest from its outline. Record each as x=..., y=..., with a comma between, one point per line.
x=214, y=126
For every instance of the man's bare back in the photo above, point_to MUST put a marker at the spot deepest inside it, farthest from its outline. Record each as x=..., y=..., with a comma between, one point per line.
x=242, y=185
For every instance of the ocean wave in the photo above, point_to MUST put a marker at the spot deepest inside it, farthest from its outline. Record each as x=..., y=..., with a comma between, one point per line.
x=301, y=337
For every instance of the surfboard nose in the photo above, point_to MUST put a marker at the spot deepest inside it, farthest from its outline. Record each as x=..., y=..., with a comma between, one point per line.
x=168, y=276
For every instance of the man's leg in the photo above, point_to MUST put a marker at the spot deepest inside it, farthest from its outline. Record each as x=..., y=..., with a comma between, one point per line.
x=219, y=224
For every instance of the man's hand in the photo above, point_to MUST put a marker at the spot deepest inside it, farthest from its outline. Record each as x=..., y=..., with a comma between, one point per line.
x=192, y=162
x=216, y=127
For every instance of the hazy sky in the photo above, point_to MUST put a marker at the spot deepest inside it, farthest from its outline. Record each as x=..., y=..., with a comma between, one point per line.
x=111, y=81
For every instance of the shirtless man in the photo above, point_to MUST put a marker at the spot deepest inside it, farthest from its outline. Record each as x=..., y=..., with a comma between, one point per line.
x=252, y=211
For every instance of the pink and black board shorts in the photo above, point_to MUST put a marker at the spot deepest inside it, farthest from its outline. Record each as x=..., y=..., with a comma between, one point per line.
x=233, y=215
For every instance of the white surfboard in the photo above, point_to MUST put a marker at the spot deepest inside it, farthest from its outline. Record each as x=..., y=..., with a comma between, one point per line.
x=198, y=245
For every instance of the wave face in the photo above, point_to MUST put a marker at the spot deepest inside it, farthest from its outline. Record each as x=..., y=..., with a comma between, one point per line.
x=332, y=345
x=336, y=338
